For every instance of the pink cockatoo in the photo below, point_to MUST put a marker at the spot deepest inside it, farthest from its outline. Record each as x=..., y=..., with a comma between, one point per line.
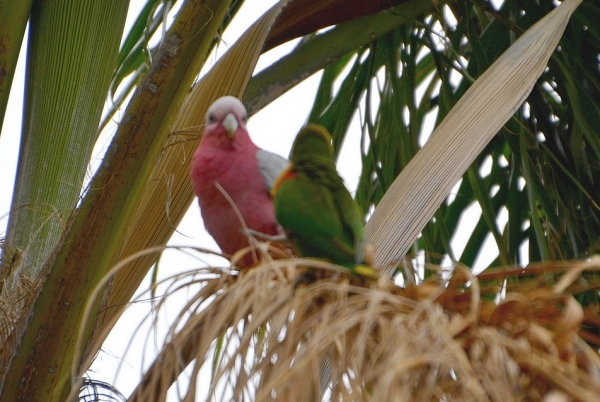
x=227, y=156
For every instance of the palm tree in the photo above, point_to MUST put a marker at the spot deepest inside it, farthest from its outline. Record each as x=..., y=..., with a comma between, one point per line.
x=518, y=132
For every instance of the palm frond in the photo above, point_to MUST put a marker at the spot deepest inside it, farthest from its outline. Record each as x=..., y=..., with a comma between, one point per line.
x=435, y=340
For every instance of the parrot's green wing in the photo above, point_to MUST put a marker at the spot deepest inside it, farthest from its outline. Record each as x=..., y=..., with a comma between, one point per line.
x=351, y=217
x=314, y=206
x=307, y=211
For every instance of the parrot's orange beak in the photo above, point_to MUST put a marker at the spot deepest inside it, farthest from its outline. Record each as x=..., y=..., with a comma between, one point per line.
x=231, y=125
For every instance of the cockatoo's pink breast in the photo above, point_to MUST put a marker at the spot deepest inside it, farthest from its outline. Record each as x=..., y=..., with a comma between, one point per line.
x=234, y=166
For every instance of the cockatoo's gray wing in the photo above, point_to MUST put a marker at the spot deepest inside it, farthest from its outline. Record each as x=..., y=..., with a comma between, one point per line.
x=271, y=165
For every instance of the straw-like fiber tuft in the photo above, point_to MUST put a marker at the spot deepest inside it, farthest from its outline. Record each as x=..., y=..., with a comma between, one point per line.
x=282, y=330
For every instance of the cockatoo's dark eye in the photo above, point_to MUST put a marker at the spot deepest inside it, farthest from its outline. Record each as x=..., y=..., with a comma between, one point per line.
x=211, y=118
x=244, y=118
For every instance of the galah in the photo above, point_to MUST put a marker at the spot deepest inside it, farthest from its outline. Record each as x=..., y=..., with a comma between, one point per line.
x=314, y=207
x=232, y=177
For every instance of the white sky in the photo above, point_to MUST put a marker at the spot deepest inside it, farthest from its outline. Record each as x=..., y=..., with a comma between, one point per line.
x=273, y=128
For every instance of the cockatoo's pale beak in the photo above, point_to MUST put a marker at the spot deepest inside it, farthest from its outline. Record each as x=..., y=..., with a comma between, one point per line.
x=231, y=125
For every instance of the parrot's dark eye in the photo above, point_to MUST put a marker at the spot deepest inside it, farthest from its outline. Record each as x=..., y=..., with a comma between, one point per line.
x=244, y=118
x=211, y=118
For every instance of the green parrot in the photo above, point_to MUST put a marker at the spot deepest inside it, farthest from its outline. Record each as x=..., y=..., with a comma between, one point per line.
x=314, y=207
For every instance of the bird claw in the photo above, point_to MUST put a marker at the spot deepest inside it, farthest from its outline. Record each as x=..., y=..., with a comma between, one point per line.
x=365, y=271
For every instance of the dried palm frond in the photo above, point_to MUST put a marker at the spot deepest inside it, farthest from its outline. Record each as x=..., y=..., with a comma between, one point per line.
x=511, y=334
